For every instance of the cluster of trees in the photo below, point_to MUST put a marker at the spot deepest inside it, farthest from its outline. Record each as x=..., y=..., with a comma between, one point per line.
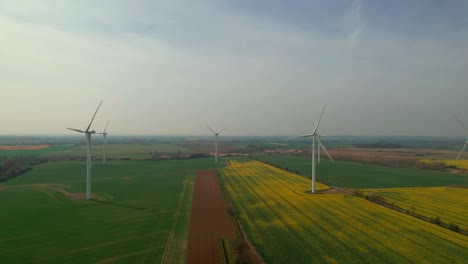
x=12, y=167
x=179, y=155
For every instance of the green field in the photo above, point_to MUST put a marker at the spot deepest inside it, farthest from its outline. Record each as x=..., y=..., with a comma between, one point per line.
x=286, y=225
x=131, y=220
x=134, y=151
x=357, y=175
x=38, y=152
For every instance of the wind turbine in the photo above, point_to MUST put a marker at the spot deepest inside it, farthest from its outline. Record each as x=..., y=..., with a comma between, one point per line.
x=104, y=142
x=321, y=147
x=316, y=143
x=466, y=143
x=216, y=142
x=88, y=134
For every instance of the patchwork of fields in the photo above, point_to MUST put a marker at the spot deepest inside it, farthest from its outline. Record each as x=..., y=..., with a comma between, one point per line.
x=22, y=151
x=289, y=226
x=361, y=176
x=141, y=209
x=130, y=220
x=134, y=151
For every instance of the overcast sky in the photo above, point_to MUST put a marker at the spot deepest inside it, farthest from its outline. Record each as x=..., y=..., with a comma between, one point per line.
x=256, y=67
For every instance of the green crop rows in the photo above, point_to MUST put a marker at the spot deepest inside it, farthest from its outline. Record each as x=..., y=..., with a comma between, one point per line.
x=128, y=222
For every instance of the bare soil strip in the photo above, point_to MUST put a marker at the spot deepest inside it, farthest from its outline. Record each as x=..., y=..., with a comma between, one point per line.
x=209, y=220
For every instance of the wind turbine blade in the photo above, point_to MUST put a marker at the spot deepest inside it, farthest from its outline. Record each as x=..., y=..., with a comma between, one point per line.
x=93, y=117
x=106, y=126
x=459, y=121
x=308, y=135
x=324, y=149
x=221, y=130
x=321, y=114
x=463, y=149
x=211, y=129
x=77, y=130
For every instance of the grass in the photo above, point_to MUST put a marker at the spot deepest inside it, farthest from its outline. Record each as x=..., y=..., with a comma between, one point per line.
x=288, y=226
x=357, y=175
x=130, y=222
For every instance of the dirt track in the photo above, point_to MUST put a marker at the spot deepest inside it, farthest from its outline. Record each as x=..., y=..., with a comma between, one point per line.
x=209, y=220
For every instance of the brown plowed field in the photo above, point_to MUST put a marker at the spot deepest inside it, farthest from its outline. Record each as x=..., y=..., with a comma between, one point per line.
x=209, y=220
x=24, y=147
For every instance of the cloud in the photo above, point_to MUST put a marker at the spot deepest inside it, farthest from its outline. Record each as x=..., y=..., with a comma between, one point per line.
x=354, y=24
x=170, y=67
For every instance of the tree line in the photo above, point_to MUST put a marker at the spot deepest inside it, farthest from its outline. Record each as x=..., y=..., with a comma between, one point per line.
x=14, y=166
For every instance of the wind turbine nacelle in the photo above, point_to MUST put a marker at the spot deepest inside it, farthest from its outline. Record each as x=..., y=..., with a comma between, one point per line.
x=92, y=132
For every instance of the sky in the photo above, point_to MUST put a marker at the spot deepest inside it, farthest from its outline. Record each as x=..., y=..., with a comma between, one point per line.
x=256, y=67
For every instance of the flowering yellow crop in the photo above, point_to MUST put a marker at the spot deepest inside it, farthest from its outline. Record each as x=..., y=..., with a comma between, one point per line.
x=289, y=225
x=462, y=164
x=449, y=204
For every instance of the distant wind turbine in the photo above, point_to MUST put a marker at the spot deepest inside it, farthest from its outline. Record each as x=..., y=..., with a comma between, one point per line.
x=316, y=144
x=466, y=143
x=321, y=147
x=88, y=134
x=216, y=142
x=104, y=142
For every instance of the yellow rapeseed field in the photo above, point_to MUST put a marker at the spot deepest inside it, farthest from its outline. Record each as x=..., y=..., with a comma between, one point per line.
x=462, y=164
x=449, y=204
x=288, y=225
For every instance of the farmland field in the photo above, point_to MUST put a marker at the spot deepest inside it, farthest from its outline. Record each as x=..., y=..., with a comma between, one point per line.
x=357, y=175
x=33, y=152
x=209, y=220
x=450, y=205
x=130, y=220
x=289, y=226
x=462, y=164
x=135, y=151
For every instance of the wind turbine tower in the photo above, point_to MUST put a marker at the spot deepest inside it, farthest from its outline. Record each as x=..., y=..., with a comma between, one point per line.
x=316, y=145
x=88, y=134
x=216, y=142
x=466, y=129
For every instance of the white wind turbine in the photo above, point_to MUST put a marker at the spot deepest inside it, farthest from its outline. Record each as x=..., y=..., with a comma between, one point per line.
x=216, y=142
x=104, y=142
x=316, y=144
x=466, y=129
x=321, y=147
x=88, y=134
